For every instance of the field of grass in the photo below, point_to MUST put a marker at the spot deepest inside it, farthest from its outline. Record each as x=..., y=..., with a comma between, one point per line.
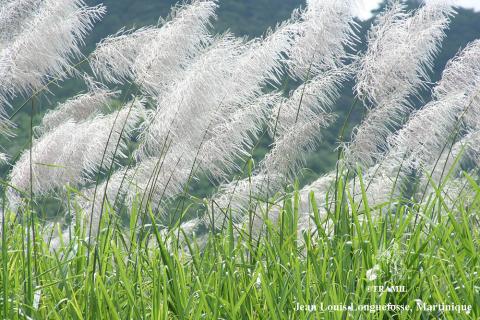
x=410, y=262
x=215, y=134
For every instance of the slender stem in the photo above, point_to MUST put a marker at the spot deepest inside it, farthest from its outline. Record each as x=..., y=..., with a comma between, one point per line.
x=341, y=148
x=32, y=214
x=4, y=259
x=36, y=93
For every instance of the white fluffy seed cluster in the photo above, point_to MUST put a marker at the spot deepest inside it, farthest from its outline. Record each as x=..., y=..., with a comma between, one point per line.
x=72, y=153
x=38, y=41
x=206, y=99
x=395, y=69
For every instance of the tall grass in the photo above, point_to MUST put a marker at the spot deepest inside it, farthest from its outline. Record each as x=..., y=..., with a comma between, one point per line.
x=277, y=274
x=391, y=233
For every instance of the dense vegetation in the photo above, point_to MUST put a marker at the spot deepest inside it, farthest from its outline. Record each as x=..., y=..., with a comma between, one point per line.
x=249, y=18
x=184, y=195
x=144, y=273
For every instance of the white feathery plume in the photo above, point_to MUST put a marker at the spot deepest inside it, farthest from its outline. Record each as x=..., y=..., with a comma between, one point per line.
x=426, y=30
x=423, y=147
x=381, y=185
x=114, y=56
x=424, y=142
x=236, y=123
x=447, y=173
x=401, y=51
x=369, y=140
x=50, y=38
x=3, y=158
x=176, y=44
x=298, y=120
x=234, y=137
x=185, y=112
x=150, y=182
x=320, y=188
x=382, y=182
x=314, y=97
x=38, y=40
x=234, y=198
x=321, y=35
x=454, y=108
x=227, y=77
x=424, y=136
x=462, y=75
x=252, y=69
x=459, y=191
x=13, y=14
x=288, y=153
x=303, y=36
x=463, y=154
x=111, y=192
x=237, y=103
x=5, y=124
x=78, y=108
x=72, y=152
x=261, y=62
x=210, y=109
x=154, y=56
x=227, y=66
x=470, y=145
x=159, y=178
x=396, y=66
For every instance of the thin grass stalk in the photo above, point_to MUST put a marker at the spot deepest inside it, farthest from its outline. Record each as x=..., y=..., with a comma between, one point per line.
x=190, y=175
x=26, y=252
x=442, y=184
x=97, y=182
x=463, y=188
x=303, y=90
x=296, y=120
x=377, y=169
x=160, y=157
x=140, y=234
x=93, y=207
x=45, y=87
x=275, y=133
x=108, y=178
x=28, y=220
x=251, y=214
x=157, y=208
x=157, y=175
x=243, y=169
x=32, y=215
x=129, y=166
x=454, y=137
x=4, y=259
x=131, y=161
x=110, y=170
x=152, y=180
x=341, y=147
x=246, y=162
x=114, y=154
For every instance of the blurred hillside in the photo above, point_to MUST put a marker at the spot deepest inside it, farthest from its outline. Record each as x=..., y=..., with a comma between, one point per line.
x=243, y=18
